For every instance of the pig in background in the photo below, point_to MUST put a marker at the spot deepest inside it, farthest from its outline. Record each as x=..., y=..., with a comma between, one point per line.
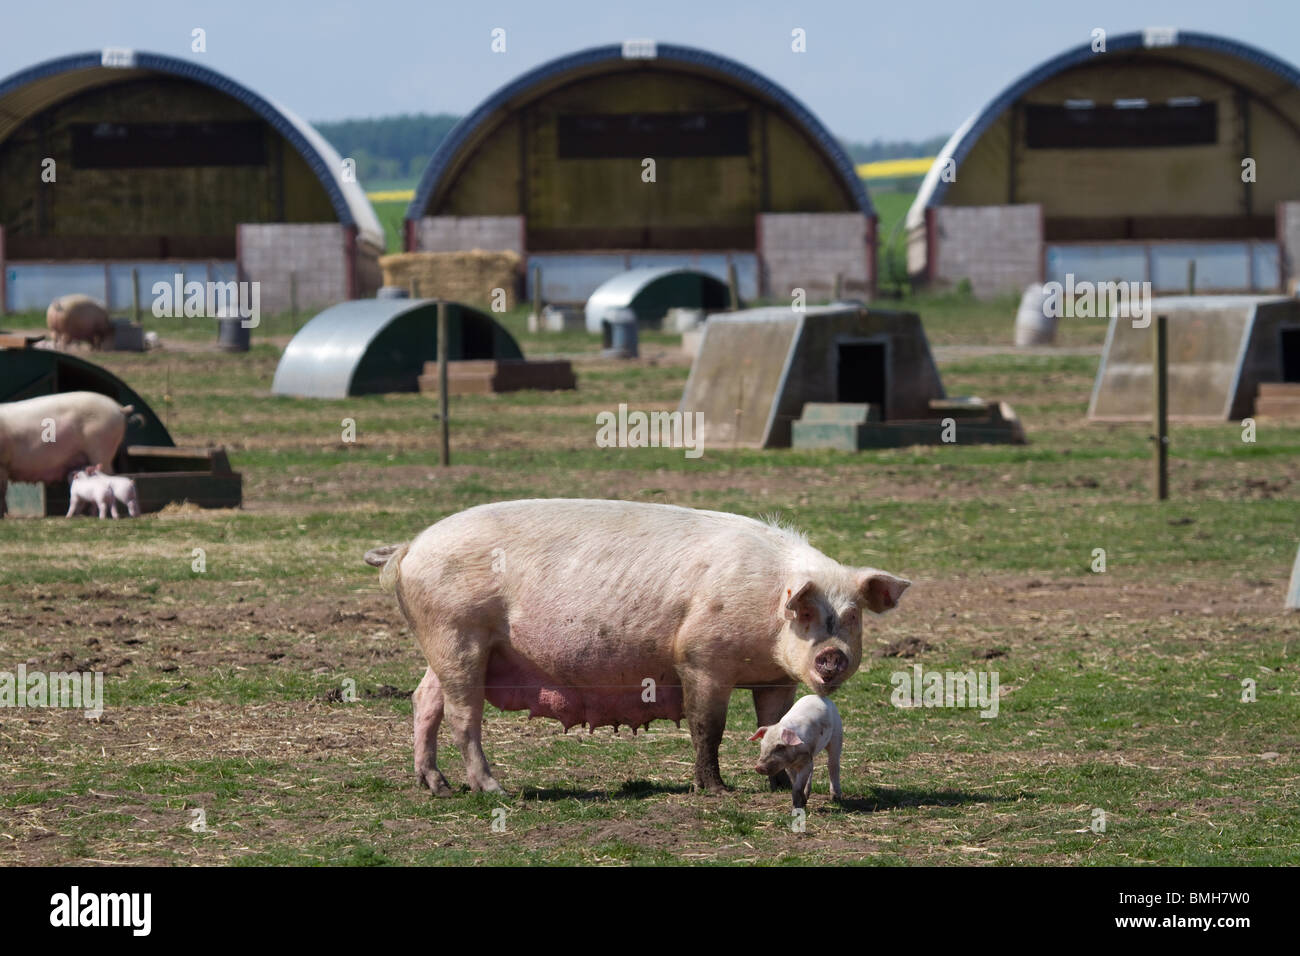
x=793, y=743
x=567, y=607
x=78, y=318
x=92, y=488
x=87, y=428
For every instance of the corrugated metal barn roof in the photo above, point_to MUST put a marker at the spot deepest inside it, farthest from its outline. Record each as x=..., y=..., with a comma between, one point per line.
x=41, y=86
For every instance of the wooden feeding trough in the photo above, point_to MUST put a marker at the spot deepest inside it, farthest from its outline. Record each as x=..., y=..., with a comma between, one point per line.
x=490, y=376
x=1278, y=400
x=162, y=476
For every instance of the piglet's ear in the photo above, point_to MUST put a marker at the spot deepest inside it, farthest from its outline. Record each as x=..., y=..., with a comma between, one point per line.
x=799, y=601
x=758, y=734
x=880, y=590
x=790, y=738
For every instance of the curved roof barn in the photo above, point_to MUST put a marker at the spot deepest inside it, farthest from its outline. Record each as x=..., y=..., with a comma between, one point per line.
x=1146, y=142
x=220, y=154
x=558, y=162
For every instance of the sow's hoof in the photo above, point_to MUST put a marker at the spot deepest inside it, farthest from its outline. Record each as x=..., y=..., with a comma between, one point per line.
x=436, y=782
x=713, y=788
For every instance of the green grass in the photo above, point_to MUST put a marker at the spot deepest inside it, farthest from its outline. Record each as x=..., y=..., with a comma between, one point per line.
x=1122, y=690
x=392, y=216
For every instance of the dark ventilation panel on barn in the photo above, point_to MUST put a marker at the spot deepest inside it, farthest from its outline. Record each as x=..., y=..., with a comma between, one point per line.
x=1130, y=124
x=635, y=135
x=162, y=145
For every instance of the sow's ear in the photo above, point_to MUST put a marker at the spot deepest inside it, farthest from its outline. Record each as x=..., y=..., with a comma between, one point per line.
x=880, y=590
x=800, y=603
x=790, y=738
x=758, y=734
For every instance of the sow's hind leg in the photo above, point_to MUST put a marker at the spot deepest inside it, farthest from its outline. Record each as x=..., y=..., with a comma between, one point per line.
x=462, y=679
x=428, y=704
x=770, y=705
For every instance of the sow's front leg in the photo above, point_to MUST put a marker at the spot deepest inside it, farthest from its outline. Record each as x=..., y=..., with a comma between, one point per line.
x=770, y=705
x=705, y=702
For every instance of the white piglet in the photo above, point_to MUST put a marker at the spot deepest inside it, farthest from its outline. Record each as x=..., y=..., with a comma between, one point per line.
x=87, y=491
x=809, y=727
x=124, y=493
x=90, y=487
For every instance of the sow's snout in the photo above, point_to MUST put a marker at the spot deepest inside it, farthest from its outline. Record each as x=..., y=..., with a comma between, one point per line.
x=831, y=665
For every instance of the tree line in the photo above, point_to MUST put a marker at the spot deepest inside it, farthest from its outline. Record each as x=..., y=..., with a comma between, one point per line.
x=395, y=149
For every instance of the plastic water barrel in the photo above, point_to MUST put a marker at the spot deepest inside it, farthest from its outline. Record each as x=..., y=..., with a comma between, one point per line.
x=1033, y=326
x=232, y=336
x=619, y=331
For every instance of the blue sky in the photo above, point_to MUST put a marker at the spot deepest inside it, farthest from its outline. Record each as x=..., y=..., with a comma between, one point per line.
x=893, y=70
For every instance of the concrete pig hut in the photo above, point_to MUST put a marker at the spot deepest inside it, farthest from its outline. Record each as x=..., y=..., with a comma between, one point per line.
x=1229, y=357
x=866, y=372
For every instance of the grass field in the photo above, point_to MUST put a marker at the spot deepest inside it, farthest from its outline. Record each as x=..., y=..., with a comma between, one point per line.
x=1120, y=691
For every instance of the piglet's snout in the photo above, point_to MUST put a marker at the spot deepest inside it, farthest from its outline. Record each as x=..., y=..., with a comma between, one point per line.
x=830, y=664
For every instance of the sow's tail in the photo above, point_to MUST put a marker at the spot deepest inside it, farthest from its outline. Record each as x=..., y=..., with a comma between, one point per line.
x=132, y=416
x=389, y=557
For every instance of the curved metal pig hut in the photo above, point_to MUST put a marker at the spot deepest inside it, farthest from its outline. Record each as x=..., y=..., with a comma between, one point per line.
x=375, y=346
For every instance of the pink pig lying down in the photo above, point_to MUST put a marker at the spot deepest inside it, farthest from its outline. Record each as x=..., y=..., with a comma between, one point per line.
x=617, y=612
x=793, y=743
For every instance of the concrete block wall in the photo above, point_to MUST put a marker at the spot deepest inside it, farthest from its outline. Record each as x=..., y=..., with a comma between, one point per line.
x=457, y=233
x=1288, y=242
x=998, y=248
x=316, y=252
x=807, y=250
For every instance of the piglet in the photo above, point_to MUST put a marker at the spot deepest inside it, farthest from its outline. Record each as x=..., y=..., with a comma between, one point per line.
x=88, y=490
x=124, y=492
x=809, y=727
x=93, y=486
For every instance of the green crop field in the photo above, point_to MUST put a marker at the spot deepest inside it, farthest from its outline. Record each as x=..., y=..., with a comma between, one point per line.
x=1125, y=732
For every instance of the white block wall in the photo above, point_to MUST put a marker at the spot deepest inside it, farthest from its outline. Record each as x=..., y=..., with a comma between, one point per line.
x=315, y=252
x=456, y=233
x=998, y=248
x=806, y=250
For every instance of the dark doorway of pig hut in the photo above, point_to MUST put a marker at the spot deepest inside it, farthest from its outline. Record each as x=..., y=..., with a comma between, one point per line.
x=1290, y=349
x=861, y=368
